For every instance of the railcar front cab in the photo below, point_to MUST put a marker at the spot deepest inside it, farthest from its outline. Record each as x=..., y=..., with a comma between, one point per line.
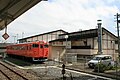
x=41, y=51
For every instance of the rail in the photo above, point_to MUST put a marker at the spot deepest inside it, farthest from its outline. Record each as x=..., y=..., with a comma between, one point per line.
x=10, y=70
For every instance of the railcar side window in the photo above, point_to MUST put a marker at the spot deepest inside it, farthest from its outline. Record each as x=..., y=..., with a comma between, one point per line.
x=35, y=45
x=46, y=46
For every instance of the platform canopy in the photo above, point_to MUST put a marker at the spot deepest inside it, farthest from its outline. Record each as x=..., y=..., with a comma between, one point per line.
x=12, y=9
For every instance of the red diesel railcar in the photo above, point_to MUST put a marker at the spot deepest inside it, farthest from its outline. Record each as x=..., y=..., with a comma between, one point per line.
x=37, y=51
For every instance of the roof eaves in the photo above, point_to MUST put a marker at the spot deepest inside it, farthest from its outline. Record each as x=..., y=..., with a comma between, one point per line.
x=43, y=34
x=109, y=32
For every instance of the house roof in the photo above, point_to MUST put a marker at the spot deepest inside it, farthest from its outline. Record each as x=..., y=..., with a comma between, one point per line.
x=84, y=34
x=43, y=34
x=105, y=30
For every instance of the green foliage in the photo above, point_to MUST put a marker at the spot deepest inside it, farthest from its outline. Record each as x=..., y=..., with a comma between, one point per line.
x=115, y=67
x=100, y=68
x=119, y=58
x=109, y=67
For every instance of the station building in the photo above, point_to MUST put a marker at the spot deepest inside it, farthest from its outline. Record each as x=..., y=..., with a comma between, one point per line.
x=83, y=44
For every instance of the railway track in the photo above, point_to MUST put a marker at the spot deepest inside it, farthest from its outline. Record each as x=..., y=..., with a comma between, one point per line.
x=10, y=74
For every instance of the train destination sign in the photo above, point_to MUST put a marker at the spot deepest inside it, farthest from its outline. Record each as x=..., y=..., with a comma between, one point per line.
x=5, y=36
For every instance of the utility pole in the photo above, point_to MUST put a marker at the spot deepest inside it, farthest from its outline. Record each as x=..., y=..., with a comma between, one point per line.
x=22, y=34
x=14, y=38
x=118, y=21
x=17, y=38
x=66, y=37
x=99, y=37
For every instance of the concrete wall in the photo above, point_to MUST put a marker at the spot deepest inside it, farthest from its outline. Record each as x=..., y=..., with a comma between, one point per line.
x=56, y=52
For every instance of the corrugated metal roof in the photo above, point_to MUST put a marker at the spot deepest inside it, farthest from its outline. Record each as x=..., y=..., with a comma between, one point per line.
x=84, y=34
x=43, y=34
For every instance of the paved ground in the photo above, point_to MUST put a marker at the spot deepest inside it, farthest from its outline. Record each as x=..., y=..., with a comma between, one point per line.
x=48, y=70
x=54, y=73
x=84, y=68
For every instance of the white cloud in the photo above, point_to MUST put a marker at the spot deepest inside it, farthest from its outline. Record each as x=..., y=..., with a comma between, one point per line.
x=69, y=15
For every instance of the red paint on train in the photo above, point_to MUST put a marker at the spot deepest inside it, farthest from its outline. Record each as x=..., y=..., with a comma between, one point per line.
x=38, y=51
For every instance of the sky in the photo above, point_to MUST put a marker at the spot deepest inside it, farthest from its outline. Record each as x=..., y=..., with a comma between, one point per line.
x=68, y=15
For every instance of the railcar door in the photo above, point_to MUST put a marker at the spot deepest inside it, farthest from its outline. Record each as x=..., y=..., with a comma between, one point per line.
x=46, y=49
x=41, y=51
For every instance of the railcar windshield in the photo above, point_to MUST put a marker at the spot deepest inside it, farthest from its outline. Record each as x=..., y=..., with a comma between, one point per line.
x=41, y=46
x=35, y=45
